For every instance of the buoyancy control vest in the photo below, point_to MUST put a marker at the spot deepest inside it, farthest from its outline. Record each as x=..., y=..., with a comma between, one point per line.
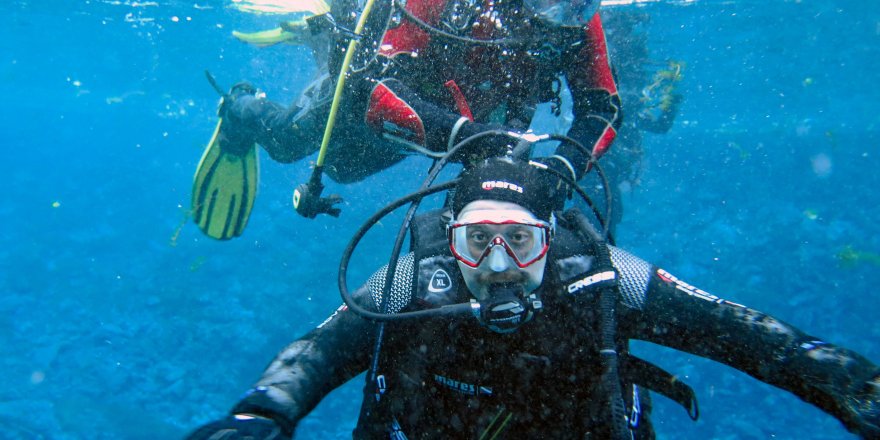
x=582, y=265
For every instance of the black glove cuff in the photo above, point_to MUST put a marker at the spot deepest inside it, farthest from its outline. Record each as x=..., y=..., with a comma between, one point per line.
x=259, y=408
x=241, y=427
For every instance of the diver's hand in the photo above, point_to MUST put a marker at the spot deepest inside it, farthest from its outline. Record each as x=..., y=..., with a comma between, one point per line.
x=325, y=205
x=236, y=135
x=868, y=429
x=869, y=412
x=308, y=202
x=862, y=410
x=240, y=427
x=238, y=91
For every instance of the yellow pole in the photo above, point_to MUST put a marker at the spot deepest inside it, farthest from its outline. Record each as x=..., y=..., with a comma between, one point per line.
x=340, y=83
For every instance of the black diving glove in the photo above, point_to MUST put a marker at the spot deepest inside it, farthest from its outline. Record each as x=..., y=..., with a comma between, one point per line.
x=308, y=202
x=241, y=427
x=235, y=135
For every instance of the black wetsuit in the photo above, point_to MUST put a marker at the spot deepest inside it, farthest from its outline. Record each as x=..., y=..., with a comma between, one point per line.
x=414, y=87
x=452, y=378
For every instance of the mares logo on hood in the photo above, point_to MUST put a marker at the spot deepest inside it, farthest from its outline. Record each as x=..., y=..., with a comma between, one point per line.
x=506, y=180
x=497, y=184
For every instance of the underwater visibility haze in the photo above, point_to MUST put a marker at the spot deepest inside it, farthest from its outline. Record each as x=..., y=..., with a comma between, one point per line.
x=120, y=319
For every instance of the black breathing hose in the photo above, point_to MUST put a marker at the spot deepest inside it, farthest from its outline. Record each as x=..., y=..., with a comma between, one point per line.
x=455, y=309
x=426, y=190
x=608, y=345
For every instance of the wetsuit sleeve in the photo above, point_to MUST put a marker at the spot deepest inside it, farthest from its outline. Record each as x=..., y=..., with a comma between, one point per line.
x=309, y=368
x=291, y=133
x=288, y=134
x=597, y=114
x=398, y=113
x=328, y=356
x=839, y=381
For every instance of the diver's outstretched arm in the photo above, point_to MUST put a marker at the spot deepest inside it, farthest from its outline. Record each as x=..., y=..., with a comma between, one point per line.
x=309, y=368
x=835, y=379
x=298, y=378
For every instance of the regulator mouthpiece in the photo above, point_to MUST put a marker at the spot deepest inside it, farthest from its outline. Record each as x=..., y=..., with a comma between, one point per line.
x=507, y=308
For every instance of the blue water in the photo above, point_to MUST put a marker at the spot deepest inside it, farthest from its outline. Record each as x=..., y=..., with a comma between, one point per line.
x=118, y=323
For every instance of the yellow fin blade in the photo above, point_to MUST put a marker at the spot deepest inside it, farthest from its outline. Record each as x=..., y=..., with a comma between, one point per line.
x=267, y=38
x=315, y=7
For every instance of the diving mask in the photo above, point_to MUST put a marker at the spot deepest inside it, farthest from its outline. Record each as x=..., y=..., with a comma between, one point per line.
x=525, y=241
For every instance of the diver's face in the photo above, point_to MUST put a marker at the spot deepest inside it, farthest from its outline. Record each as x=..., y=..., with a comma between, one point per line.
x=499, y=242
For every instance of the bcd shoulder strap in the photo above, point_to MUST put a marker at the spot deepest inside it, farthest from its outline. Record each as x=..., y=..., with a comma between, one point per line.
x=654, y=378
x=428, y=234
x=635, y=370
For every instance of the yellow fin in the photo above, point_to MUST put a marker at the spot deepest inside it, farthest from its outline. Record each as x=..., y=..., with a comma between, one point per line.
x=315, y=7
x=224, y=189
x=267, y=38
x=291, y=32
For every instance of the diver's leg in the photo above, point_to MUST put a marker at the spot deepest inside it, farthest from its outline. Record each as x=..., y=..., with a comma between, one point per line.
x=287, y=134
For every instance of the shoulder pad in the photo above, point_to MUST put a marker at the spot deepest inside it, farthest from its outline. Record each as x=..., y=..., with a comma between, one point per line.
x=401, y=286
x=635, y=274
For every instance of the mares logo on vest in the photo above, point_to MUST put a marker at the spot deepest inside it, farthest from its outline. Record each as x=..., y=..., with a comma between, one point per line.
x=497, y=184
x=463, y=388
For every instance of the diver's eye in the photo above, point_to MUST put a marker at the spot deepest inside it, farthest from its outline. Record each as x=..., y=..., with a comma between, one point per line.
x=519, y=237
x=478, y=237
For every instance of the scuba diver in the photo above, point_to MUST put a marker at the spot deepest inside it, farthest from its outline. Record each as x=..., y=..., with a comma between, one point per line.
x=422, y=74
x=510, y=318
